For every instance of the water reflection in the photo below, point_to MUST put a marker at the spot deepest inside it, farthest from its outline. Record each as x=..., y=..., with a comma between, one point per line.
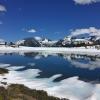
x=86, y=67
x=55, y=73
x=79, y=61
x=63, y=55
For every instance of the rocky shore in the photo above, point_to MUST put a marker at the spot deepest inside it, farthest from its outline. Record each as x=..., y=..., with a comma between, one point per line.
x=21, y=92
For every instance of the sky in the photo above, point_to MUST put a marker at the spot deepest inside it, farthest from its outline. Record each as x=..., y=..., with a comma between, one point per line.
x=52, y=19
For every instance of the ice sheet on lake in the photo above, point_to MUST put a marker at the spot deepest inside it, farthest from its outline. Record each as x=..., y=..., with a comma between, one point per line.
x=71, y=88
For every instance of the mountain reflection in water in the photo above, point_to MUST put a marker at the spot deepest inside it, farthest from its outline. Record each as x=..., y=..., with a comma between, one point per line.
x=86, y=67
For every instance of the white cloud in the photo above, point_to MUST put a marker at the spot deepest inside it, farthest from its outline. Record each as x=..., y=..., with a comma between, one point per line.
x=90, y=31
x=2, y=8
x=83, y=2
x=31, y=30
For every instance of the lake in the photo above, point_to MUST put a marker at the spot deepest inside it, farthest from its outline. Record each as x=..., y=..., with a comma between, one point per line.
x=58, y=74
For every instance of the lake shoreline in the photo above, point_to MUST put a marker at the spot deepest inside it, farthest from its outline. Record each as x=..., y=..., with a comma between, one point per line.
x=72, y=50
x=21, y=92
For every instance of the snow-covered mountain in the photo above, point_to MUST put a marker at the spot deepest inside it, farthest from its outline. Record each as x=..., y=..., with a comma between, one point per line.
x=45, y=42
x=32, y=42
x=36, y=42
x=2, y=42
x=20, y=42
x=76, y=41
x=68, y=41
x=38, y=38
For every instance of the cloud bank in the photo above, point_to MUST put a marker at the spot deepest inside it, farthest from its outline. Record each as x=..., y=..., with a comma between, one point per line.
x=91, y=31
x=84, y=2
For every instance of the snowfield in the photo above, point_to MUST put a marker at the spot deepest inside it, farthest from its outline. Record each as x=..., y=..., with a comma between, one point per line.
x=74, y=50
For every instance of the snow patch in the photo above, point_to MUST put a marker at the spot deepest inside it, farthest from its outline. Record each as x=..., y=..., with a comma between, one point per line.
x=71, y=88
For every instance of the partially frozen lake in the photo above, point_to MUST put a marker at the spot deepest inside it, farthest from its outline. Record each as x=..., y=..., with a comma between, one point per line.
x=58, y=74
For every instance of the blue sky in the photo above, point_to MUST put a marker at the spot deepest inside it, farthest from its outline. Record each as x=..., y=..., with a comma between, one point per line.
x=53, y=19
